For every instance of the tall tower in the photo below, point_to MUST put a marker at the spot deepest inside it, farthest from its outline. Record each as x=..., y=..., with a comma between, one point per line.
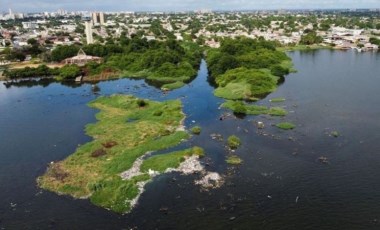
x=95, y=18
x=11, y=15
x=101, y=17
x=88, y=30
x=98, y=18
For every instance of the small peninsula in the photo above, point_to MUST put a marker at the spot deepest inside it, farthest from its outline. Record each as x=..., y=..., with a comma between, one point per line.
x=112, y=169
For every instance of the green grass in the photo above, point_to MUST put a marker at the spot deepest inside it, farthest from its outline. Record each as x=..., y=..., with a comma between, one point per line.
x=234, y=160
x=235, y=91
x=247, y=84
x=196, y=130
x=285, y=125
x=243, y=108
x=233, y=142
x=134, y=130
x=170, y=160
x=277, y=99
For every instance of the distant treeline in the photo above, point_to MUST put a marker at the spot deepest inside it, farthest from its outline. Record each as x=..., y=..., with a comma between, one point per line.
x=66, y=72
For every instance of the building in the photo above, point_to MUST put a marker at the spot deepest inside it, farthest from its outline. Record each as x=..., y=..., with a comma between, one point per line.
x=88, y=31
x=29, y=25
x=82, y=59
x=98, y=18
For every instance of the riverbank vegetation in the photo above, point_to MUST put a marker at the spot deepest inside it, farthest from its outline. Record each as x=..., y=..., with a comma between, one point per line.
x=169, y=63
x=127, y=129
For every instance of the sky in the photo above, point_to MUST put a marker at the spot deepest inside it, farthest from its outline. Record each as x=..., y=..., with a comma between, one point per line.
x=179, y=5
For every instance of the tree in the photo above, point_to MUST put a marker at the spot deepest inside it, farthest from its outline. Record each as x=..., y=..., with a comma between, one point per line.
x=62, y=52
x=32, y=42
x=69, y=71
x=311, y=38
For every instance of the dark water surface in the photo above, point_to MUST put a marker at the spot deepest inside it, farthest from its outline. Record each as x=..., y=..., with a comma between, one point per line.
x=280, y=185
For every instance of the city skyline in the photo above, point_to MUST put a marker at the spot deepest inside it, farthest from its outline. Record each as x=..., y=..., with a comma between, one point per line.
x=184, y=5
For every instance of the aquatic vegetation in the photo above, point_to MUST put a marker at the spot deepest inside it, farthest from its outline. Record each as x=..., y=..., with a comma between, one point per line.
x=233, y=142
x=234, y=160
x=243, y=108
x=127, y=129
x=285, y=125
x=196, y=130
x=335, y=134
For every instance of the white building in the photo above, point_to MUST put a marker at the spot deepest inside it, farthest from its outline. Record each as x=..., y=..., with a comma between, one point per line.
x=29, y=25
x=88, y=31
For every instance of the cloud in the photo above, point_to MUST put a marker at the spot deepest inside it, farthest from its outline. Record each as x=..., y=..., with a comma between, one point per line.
x=180, y=5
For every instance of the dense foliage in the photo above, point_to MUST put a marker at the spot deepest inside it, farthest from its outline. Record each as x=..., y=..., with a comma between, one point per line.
x=375, y=41
x=28, y=72
x=245, y=68
x=66, y=72
x=310, y=38
x=166, y=62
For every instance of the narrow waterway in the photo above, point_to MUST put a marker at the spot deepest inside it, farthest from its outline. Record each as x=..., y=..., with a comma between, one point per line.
x=280, y=185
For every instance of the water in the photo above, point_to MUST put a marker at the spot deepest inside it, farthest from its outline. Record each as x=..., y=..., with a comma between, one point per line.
x=280, y=185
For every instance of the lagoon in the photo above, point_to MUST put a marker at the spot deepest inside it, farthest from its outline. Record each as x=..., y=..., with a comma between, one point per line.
x=281, y=183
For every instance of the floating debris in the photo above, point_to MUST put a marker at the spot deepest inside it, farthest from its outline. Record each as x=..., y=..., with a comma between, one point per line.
x=210, y=180
x=260, y=125
x=216, y=136
x=323, y=160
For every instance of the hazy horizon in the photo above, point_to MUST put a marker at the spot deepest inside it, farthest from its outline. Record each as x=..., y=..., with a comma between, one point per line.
x=182, y=5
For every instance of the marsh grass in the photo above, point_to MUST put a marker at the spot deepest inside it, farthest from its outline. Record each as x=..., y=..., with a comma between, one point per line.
x=233, y=142
x=286, y=125
x=170, y=160
x=125, y=130
x=243, y=108
x=234, y=160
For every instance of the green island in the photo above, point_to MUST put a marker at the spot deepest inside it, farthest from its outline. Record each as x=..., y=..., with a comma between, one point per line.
x=169, y=64
x=233, y=142
x=112, y=169
x=247, y=69
x=196, y=130
x=285, y=125
x=234, y=160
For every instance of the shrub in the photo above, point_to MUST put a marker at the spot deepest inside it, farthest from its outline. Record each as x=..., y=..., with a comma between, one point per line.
x=233, y=142
x=196, y=130
x=141, y=103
